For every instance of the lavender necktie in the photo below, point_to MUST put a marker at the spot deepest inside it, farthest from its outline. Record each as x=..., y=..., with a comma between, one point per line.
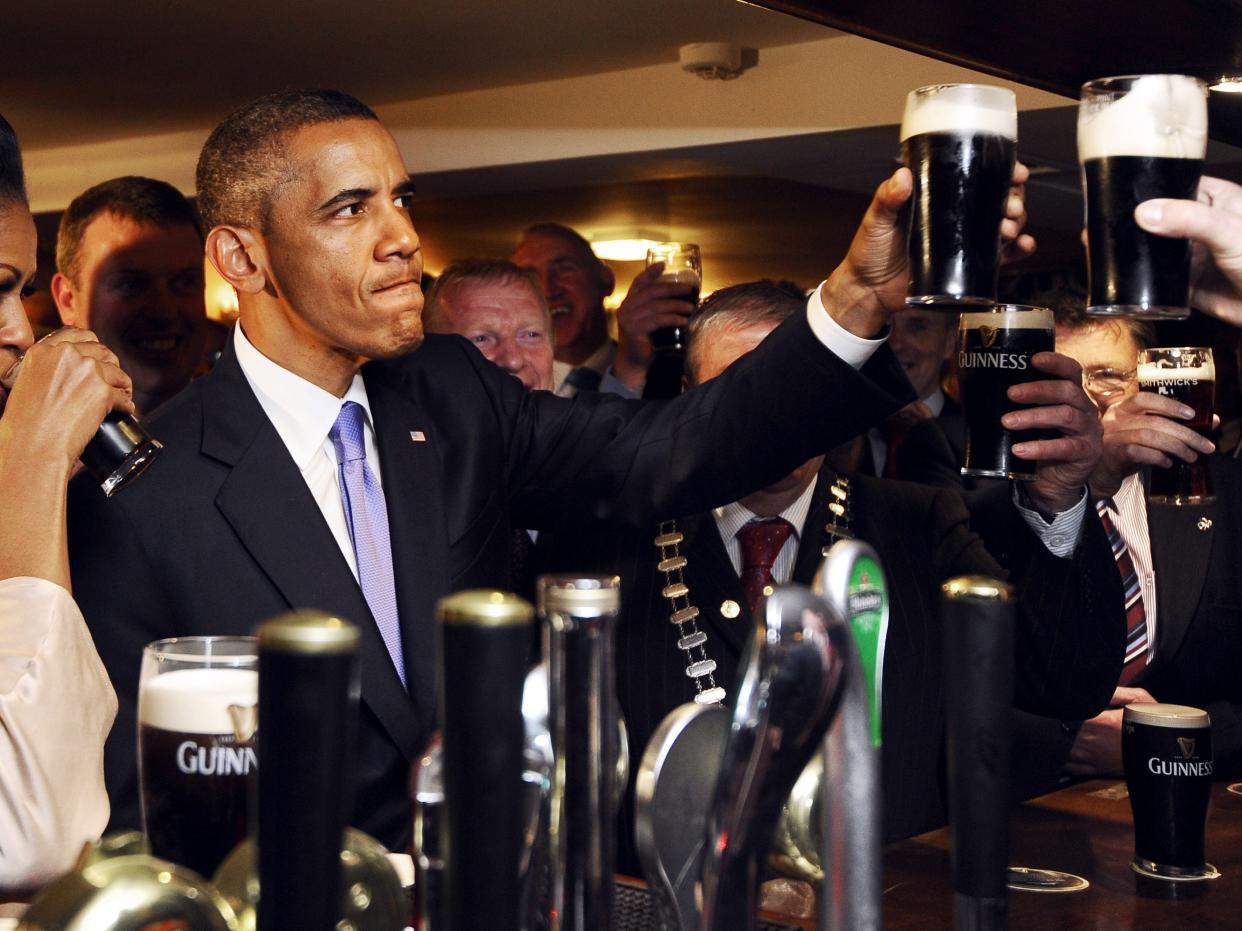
x=367, y=516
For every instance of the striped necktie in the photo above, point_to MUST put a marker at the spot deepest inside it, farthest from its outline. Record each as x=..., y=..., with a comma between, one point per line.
x=1137, y=654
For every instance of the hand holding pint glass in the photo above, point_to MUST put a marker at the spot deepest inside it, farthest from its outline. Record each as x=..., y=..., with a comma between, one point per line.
x=197, y=766
x=1167, y=753
x=683, y=267
x=959, y=142
x=1186, y=374
x=1139, y=137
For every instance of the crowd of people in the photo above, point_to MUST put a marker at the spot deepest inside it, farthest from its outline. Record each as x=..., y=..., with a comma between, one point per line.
x=258, y=503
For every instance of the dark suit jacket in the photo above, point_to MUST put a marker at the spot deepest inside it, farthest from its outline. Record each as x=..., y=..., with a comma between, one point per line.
x=1066, y=644
x=1198, y=655
x=222, y=532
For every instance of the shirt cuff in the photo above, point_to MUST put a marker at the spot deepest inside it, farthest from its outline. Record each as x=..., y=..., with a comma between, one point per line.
x=1062, y=535
x=611, y=384
x=853, y=350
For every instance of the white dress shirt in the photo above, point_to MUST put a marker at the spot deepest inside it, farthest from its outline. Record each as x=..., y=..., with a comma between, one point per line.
x=733, y=517
x=1129, y=516
x=303, y=415
x=56, y=708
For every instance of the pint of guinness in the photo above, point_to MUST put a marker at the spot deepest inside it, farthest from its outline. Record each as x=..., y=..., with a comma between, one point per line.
x=682, y=266
x=1187, y=374
x=197, y=762
x=959, y=142
x=994, y=353
x=1167, y=754
x=1139, y=137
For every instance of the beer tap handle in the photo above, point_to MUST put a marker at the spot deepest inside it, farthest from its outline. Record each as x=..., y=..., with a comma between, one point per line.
x=786, y=697
x=672, y=794
x=978, y=620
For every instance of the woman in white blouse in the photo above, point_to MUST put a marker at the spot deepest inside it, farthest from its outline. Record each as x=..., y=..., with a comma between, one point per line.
x=56, y=704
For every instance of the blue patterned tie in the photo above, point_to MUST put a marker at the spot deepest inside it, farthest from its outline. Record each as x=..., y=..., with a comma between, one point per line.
x=368, y=527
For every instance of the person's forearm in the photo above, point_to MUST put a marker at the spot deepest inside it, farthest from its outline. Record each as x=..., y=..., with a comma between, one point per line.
x=32, y=515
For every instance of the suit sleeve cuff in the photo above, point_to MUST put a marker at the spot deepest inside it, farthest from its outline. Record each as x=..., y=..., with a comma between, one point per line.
x=1061, y=535
x=853, y=350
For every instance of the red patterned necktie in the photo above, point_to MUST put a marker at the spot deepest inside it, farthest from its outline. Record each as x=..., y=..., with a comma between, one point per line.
x=1136, y=616
x=761, y=542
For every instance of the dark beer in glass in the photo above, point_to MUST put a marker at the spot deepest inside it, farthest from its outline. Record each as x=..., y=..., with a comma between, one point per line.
x=197, y=764
x=1187, y=374
x=1167, y=754
x=683, y=266
x=959, y=142
x=1139, y=137
x=994, y=352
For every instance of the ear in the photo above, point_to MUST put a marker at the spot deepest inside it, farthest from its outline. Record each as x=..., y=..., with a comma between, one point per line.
x=607, y=280
x=238, y=254
x=64, y=295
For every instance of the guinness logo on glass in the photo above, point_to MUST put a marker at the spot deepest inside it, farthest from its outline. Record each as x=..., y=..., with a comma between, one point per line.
x=1187, y=746
x=989, y=334
x=245, y=721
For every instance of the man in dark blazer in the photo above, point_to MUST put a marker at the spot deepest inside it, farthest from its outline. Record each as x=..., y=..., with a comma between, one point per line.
x=244, y=515
x=1185, y=559
x=1068, y=634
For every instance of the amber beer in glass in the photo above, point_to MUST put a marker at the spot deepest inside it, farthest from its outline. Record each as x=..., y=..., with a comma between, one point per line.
x=1167, y=754
x=959, y=142
x=994, y=352
x=1139, y=137
x=197, y=766
x=1187, y=374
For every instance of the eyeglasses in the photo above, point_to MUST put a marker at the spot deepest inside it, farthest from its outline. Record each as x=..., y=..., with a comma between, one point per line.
x=1103, y=382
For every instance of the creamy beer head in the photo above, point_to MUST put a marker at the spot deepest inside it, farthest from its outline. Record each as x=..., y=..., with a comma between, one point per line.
x=960, y=108
x=1159, y=714
x=1152, y=115
x=196, y=701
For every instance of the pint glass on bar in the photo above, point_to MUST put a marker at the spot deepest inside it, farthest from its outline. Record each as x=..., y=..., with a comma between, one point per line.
x=994, y=351
x=197, y=714
x=1167, y=754
x=1187, y=374
x=959, y=142
x=1139, y=137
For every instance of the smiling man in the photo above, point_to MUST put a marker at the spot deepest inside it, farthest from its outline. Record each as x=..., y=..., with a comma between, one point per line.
x=129, y=260
x=335, y=458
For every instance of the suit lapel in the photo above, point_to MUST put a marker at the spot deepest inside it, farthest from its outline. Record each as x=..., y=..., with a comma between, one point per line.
x=266, y=502
x=714, y=582
x=1181, y=544
x=814, y=535
x=412, y=491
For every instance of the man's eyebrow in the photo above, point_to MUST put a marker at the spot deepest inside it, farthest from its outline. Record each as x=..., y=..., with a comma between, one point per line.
x=406, y=188
x=349, y=195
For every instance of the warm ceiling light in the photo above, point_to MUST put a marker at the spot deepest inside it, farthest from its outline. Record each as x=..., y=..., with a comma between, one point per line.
x=220, y=297
x=1228, y=84
x=624, y=245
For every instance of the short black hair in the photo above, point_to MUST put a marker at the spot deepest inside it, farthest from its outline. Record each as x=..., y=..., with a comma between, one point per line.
x=12, y=175
x=243, y=159
x=143, y=200
x=741, y=305
x=1069, y=311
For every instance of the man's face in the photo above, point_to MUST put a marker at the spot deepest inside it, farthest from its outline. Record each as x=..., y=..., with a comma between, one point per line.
x=342, y=254
x=18, y=244
x=575, y=287
x=1108, y=355
x=507, y=323
x=923, y=340
x=140, y=288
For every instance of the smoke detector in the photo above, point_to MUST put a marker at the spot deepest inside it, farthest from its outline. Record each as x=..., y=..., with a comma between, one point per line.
x=713, y=61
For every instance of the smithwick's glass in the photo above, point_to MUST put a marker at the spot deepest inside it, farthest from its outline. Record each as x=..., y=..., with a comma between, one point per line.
x=1167, y=754
x=959, y=141
x=1139, y=137
x=197, y=766
x=994, y=352
x=1187, y=374
x=119, y=451
x=683, y=266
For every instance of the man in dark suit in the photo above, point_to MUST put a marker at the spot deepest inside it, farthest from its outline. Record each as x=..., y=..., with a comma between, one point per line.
x=1185, y=599
x=325, y=463
x=1067, y=638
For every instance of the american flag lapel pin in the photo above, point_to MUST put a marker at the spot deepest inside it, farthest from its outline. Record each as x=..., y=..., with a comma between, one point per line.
x=417, y=436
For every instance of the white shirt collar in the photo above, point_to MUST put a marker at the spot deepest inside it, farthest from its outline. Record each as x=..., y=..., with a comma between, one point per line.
x=733, y=517
x=934, y=402
x=301, y=412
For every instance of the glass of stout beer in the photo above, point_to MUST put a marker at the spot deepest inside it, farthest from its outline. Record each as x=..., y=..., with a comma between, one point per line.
x=197, y=765
x=1167, y=754
x=959, y=141
x=683, y=266
x=1187, y=374
x=994, y=351
x=119, y=451
x=1139, y=137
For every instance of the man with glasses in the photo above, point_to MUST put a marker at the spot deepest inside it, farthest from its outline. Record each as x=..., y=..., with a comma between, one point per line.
x=1184, y=597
